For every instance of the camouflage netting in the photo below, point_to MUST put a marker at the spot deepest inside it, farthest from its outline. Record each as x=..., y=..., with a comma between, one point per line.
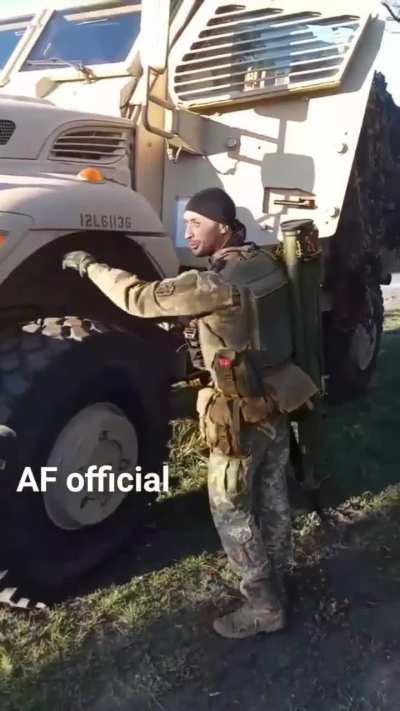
x=371, y=212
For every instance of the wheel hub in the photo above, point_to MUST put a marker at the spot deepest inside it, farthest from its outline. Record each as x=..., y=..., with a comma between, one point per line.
x=98, y=435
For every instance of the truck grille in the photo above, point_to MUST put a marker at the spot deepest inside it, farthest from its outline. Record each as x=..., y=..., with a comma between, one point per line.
x=99, y=144
x=244, y=49
x=7, y=129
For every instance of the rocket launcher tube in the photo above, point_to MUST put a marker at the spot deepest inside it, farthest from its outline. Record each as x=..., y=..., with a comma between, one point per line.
x=302, y=256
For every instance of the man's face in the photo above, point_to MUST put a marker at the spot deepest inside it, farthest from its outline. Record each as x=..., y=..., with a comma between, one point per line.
x=204, y=236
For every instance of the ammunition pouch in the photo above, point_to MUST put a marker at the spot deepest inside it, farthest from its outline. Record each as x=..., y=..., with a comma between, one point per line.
x=219, y=421
x=222, y=418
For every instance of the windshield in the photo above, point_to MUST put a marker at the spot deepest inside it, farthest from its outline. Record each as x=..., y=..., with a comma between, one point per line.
x=96, y=35
x=11, y=32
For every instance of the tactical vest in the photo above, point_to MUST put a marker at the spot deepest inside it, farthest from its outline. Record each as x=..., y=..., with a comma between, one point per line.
x=259, y=321
x=262, y=322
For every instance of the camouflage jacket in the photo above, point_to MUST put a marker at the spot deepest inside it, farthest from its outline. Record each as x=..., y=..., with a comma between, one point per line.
x=203, y=295
x=223, y=312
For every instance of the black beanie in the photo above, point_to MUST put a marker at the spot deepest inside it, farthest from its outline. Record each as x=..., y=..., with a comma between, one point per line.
x=215, y=204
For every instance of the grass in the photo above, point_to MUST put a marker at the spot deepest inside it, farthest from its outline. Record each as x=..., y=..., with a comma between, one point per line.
x=106, y=645
x=188, y=459
x=127, y=646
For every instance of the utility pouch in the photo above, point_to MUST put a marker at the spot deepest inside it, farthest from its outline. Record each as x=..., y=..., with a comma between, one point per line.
x=289, y=387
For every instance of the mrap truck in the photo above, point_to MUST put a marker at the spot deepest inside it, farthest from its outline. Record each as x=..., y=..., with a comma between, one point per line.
x=112, y=114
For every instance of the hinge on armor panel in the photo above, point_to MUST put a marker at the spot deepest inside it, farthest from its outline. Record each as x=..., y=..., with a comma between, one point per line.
x=173, y=152
x=278, y=197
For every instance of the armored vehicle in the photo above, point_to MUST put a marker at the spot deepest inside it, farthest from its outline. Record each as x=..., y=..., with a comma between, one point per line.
x=112, y=114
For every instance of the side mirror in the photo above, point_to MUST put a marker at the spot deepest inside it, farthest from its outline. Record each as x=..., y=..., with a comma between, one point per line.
x=154, y=34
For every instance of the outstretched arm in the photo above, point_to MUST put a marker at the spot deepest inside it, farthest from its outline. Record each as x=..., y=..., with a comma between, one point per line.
x=190, y=294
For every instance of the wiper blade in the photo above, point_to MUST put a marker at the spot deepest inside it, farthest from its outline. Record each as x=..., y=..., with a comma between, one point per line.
x=59, y=62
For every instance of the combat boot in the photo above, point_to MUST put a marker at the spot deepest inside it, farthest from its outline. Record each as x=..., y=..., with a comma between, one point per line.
x=247, y=621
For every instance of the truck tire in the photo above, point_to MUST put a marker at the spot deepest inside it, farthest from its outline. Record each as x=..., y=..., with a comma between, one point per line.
x=53, y=373
x=351, y=352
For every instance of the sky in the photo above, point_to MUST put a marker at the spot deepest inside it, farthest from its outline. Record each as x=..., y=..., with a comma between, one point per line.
x=388, y=60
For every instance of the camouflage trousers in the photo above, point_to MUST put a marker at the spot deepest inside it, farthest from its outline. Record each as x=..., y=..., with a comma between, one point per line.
x=250, y=507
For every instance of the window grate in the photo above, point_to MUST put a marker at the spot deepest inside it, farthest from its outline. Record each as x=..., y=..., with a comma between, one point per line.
x=7, y=129
x=244, y=48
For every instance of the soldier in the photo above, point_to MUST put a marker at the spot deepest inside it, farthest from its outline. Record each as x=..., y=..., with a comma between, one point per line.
x=240, y=304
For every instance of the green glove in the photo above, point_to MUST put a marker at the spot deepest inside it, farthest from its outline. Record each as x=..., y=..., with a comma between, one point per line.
x=78, y=260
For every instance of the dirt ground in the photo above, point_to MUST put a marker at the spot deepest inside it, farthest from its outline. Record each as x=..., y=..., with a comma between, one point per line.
x=146, y=644
x=341, y=651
